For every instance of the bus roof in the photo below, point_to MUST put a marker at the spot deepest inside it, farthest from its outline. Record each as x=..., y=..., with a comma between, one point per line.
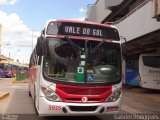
x=80, y=21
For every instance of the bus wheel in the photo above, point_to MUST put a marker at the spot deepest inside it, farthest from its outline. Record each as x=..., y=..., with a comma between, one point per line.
x=29, y=93
x=35, y=102
x=35, y=107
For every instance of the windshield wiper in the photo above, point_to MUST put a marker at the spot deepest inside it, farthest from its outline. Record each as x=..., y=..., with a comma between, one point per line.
x=75, y=47
x=98, y=46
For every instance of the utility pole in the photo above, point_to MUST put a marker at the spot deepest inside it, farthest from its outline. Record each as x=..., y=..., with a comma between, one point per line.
x=0, y=38
x=32, y=39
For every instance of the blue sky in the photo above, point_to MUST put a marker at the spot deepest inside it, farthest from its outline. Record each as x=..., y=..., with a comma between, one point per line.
x=34, y=13
x=19, y=17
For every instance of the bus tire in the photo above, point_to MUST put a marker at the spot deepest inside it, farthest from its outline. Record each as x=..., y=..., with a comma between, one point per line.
x=35, y=101
x=29, y=93
x=35, y=107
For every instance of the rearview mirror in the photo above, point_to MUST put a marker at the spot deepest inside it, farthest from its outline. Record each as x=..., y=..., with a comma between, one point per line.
x=40, y=46
x=124, y=51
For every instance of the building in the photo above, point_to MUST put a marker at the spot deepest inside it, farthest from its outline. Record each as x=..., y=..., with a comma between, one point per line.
x=2, y=57
x=137, y=20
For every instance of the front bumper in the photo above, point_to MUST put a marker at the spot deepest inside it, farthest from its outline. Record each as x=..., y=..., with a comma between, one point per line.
x=49, y=108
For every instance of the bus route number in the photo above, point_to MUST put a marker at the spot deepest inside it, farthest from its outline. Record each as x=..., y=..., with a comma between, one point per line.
x=54, y=107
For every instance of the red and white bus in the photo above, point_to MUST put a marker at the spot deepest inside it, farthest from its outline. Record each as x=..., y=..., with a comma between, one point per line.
x=76, y=69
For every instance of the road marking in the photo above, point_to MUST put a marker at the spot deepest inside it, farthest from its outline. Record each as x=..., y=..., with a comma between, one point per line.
x=15, y=87
x=20, y=82
x=3, y=95
x=21, y=90
x=130, y=110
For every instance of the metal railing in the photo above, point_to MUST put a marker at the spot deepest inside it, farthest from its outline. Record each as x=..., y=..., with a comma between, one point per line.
x=21, y=76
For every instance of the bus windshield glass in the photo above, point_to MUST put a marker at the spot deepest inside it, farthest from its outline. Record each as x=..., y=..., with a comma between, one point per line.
x=7, y=68
x=82, y=61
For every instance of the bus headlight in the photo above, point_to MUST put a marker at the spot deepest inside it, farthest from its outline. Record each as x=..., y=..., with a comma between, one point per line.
x=50, y=94
x=114, y=96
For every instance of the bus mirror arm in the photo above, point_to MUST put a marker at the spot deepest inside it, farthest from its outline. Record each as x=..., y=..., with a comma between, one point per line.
x=124, y=49
x=122, y=37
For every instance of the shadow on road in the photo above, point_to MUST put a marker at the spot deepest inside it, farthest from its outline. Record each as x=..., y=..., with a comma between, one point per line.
x=36, y=117
x=71, y=118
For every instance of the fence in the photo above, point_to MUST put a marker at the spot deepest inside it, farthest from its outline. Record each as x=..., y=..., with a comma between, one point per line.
x=21, y=76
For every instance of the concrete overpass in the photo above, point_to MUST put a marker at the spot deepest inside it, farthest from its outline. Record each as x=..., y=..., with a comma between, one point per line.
x=137, y=21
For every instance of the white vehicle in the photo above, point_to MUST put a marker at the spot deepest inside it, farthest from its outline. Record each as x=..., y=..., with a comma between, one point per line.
x=76, y=69
x=149, y=69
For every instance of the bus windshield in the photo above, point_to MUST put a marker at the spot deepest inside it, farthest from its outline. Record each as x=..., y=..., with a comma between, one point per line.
x=7, y=68
x=67, y=60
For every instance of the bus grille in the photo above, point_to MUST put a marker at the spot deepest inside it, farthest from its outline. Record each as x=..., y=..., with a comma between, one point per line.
x=77, y=94
x=82, y=108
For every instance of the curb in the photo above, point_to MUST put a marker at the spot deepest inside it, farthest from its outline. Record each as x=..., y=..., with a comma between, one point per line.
x=19, y=82
x=3, y=95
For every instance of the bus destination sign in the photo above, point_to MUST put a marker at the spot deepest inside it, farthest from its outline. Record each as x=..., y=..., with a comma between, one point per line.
x=74, y=30
x=85, y=30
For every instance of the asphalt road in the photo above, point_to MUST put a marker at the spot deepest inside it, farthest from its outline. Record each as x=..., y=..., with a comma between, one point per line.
x=20, y=106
